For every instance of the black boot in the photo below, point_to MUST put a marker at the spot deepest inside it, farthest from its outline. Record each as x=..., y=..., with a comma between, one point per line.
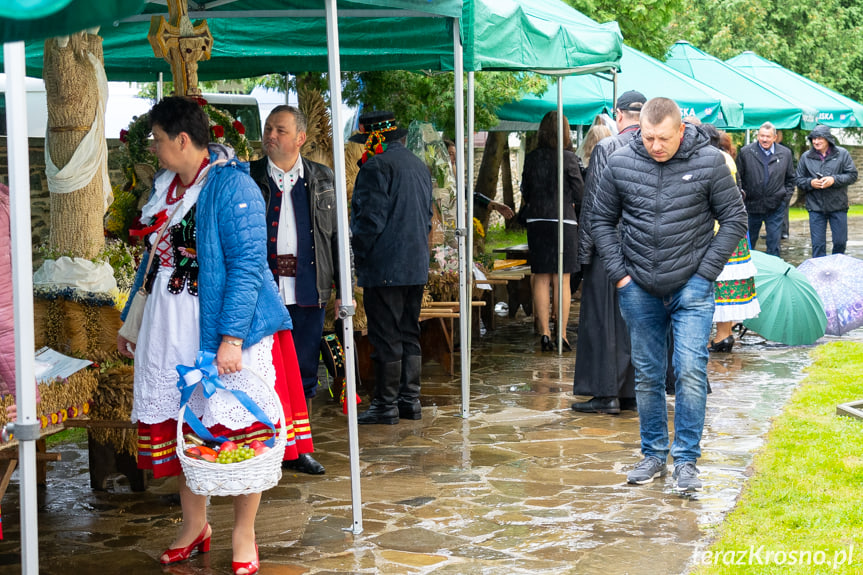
x=383, y=409
x=409, y=390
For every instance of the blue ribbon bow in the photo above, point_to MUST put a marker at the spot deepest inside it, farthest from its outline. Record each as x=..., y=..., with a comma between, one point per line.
x=206, y=374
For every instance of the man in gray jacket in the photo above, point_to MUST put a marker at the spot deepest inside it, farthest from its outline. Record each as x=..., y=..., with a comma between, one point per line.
x=665, y=189
x=302, y=251
x=766, y=172
x=824, y=173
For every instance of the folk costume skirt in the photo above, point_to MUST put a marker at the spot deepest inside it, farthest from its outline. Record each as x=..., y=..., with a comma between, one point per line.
x=734, y=291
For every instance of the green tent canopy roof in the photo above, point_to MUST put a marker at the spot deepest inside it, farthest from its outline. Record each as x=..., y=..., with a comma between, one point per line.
x=542, y=35
x=586, y=96
x=834, y=109
x=255, y=37
x=760, y=102
x=28, y=20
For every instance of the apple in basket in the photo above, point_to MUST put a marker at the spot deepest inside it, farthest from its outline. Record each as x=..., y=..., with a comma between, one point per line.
x=258, y=447
x=228, y=446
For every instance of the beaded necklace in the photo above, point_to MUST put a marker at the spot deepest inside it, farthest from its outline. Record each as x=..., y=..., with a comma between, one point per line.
x=172, y=197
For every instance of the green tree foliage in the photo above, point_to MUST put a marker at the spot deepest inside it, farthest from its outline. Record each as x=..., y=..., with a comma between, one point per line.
x=429, y=97
x=644, y=24
x=821, y=41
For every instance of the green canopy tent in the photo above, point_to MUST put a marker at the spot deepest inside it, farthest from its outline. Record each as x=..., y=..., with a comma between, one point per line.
x=22, y=20
x=834, y=109
x=545, y=36
x=327, y=35
x=587, y=96
x=760, y=102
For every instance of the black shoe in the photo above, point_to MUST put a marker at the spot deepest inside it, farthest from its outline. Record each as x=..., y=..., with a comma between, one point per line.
x=628, y=404
x=565, y=345
x=723, y=346
x=607, y=405
x=784, y=236
x=305, y=463
x=546, y=343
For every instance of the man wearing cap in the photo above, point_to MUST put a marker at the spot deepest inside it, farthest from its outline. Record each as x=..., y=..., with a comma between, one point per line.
x=302, y=250
x=652, y=224
x=603, y=370
x=766, y=172
x=825, y=172
x=391, y=210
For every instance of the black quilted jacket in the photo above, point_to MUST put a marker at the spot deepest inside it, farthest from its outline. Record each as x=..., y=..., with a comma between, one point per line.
x=666, y=213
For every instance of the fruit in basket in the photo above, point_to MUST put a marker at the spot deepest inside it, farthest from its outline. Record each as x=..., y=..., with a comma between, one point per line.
x=228, y=446
x=208, y=457
x=256, y=444
x=235, y=455
x=193, y=452
x=207, y=451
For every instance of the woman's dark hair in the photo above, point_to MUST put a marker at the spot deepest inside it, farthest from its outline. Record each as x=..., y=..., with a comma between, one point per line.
x=711, y=132
x=547, y=134
x=176, y=114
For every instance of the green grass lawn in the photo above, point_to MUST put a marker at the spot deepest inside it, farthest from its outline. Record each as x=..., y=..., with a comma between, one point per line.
x=805, y=495
x=797, y=214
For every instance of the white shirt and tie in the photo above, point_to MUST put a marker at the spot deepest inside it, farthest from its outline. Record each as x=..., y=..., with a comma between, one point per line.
x=287, y=236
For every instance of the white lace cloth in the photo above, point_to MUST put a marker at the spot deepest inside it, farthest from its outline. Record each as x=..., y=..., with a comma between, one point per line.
x=169, y=337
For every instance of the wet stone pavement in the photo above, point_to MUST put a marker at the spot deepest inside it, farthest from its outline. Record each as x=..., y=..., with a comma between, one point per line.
x=523, y=486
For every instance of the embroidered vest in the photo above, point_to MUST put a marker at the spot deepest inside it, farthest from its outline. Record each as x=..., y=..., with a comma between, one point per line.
x=306, y=291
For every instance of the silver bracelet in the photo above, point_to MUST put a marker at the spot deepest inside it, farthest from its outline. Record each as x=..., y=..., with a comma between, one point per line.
x=234, y=342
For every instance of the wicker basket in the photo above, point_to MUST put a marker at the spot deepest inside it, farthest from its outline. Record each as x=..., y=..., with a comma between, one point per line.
x=253, y=475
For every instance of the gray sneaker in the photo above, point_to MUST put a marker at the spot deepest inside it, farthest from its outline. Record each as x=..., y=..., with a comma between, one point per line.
x=685, y=477
x=646, y=470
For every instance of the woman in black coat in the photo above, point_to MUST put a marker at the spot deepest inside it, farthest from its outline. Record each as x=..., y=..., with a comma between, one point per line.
x=539, y=189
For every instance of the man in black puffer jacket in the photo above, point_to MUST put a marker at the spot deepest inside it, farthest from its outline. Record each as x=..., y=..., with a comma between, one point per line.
x=824, y=173
x=666, y=188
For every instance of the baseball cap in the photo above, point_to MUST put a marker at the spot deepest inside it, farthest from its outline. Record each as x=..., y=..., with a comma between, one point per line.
x=630, y=101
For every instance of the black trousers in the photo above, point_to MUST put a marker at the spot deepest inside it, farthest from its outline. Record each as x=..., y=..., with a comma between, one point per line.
x=393, y=314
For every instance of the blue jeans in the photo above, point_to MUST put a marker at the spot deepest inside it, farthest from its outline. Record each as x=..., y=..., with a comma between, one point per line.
x=818, y=232
x=688, y=312
x=772, y=224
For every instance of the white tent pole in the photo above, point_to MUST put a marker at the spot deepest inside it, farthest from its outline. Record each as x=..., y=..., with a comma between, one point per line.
x=346, y=311
x=560, y=128
x=27, y=427
x=160, y=87
x=469, y=189
x=463, y=282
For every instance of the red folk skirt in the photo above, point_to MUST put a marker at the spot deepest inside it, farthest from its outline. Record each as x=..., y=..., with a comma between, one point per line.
x=157, y=442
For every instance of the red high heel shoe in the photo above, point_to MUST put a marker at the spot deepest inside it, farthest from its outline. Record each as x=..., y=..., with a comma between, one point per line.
x=250, y=566
x=201, y=542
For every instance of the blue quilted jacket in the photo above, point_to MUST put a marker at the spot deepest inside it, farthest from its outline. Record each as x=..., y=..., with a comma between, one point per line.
x=236, y=291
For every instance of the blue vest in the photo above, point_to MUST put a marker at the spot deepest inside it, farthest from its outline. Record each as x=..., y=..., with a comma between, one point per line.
x=306, y=290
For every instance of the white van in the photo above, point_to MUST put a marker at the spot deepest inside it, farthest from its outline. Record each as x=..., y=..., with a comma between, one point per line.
x=123, y=105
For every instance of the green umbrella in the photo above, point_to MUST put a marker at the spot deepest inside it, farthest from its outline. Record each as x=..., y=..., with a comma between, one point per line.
x=791, y=311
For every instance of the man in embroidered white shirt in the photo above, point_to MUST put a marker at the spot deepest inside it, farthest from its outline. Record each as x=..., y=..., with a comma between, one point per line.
x=301, y=250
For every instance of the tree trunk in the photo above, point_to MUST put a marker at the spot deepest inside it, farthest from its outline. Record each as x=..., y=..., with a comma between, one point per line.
x=489, y=170
x=506, y=182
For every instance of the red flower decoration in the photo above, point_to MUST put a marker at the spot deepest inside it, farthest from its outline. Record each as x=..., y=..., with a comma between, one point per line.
x=200, y=101
x=123, y=134
x=239, y=127
x=218, y=131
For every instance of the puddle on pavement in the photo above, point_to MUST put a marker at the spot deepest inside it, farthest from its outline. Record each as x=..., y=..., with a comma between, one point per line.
x=523, y=486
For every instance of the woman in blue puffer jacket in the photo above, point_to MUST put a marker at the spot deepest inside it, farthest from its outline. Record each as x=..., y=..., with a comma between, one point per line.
x=210, y=290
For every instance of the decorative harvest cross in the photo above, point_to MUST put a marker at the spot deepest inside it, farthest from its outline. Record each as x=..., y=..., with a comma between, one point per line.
x=182, y=44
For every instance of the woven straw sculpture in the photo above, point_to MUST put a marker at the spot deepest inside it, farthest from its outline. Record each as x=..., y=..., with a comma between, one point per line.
x=72, y=93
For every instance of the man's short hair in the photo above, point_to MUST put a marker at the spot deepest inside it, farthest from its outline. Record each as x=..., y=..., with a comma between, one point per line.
x=656, y=110
x=299, y=117
x=767, y=126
